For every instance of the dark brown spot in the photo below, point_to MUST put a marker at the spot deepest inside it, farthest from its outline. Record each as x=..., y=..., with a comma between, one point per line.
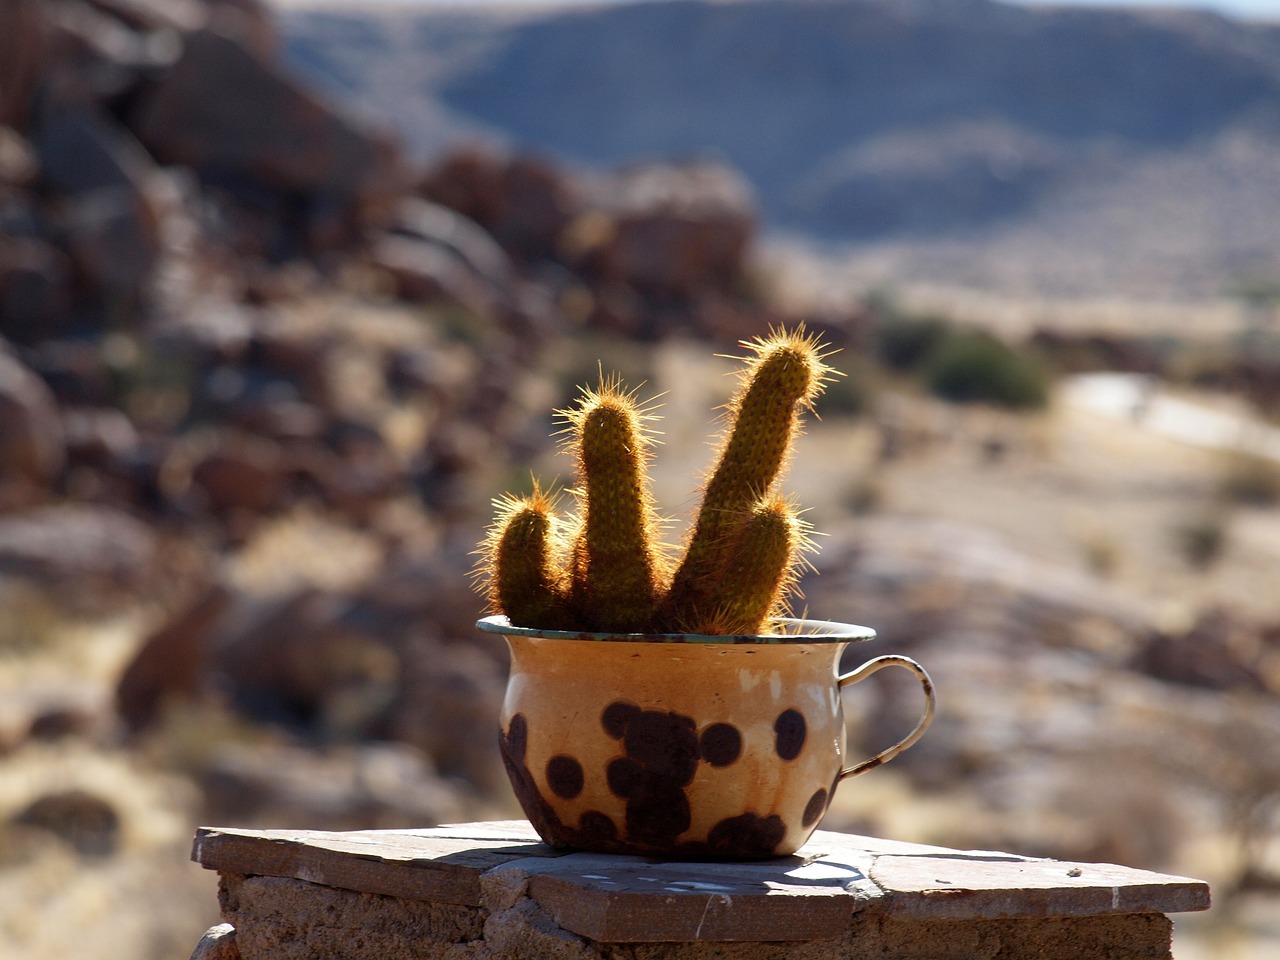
x=790, y=730
x=721, y=744
x=623, y=776
x=564, y=776
x=815, y=808
x=517, y=737
x=746, y=835
x=617, y=717
x=661, y=755
x=665, y=744
x=597, y=828
x=512, y=746
x=657, y=813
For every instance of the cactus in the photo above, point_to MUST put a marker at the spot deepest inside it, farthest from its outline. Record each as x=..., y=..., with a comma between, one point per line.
x=525, y=583
x=742, y=558
x=761, y=566
x=617, y=573
x=785, y=374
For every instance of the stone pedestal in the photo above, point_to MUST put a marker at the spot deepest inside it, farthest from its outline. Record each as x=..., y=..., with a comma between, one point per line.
x=484, y=891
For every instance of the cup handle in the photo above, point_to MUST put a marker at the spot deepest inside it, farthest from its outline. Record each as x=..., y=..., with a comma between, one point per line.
x=866, y=670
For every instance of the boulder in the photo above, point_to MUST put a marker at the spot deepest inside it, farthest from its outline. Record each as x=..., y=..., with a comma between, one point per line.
x=75, y=370
x=432, y=252
x=251, y=22
x=1219, y=652
x=84, y=820
x=218, y=943
x=459, y=234
x=23, y=57
x=172, y=663
x=668, y=231
x=222, y=110
x=147, y=16
x=290, y=661
x=35, y=289
x=242, y=473
x=423, y=272
x=93, y=58
x=83, y=149
x=113, y=239
x=18, y=161
x=31, y=443
x=303, y=361
x=449, y=698
x=86, y=555
x=354, y=470
x=522, y=201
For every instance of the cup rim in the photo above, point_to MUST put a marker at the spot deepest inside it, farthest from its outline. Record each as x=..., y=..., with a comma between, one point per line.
x=786, y=630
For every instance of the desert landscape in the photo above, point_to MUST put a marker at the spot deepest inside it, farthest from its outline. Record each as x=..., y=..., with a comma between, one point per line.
x=256, y=401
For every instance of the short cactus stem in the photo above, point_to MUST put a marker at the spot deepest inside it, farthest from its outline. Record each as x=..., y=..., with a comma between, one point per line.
x=524, y=582
x=759, y=569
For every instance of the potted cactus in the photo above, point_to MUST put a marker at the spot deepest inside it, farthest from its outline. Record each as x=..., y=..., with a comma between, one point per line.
x=662, y=707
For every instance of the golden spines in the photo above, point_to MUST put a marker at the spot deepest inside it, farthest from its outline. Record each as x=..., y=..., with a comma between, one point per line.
x=784, y=375
x=617, y=571
x=611, y=573
x=520, y=563
x=761, y=567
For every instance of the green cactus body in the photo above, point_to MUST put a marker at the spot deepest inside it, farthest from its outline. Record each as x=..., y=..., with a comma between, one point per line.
x=760, y=569
x=764, y=417
x=616, y=574
x=524, y=583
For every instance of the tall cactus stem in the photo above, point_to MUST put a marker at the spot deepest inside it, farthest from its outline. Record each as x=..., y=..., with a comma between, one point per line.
x=782, y=377
x=617, y=572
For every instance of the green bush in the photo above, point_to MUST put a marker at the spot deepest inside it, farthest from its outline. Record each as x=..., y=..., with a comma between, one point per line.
x=905, y=342
x=1202, y=539
x=978, y=368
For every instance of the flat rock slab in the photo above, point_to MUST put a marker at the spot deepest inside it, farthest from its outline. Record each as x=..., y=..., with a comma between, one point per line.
x=809, y=896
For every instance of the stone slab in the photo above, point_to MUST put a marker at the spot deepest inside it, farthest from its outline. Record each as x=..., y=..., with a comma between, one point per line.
x=964, y=888
x=619, y=899
x=628, y=899
x=442, y=864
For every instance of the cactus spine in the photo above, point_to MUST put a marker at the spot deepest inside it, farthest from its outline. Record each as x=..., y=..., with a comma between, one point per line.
x=617, y=571
x=760, y=569
x=785, y=374
x=524, y=582
x=743, y=556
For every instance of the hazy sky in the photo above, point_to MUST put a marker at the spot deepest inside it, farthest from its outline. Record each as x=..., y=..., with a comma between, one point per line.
x=1267, y=9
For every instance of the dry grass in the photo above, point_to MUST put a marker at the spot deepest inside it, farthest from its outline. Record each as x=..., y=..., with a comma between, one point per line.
x=146, y=901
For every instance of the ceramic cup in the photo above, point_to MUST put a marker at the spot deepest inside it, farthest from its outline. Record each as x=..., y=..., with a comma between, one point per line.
x=681, y=746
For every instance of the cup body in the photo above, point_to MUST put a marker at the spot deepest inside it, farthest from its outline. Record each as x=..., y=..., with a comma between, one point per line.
x=725, y=748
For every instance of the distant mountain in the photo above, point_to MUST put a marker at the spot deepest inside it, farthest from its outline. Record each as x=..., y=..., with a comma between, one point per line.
x=1075, y=146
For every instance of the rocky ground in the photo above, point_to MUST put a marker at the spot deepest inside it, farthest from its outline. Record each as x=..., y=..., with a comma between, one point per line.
x=255, y=402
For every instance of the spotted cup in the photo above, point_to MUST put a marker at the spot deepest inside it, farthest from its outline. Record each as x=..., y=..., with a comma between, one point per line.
x=682, y=746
